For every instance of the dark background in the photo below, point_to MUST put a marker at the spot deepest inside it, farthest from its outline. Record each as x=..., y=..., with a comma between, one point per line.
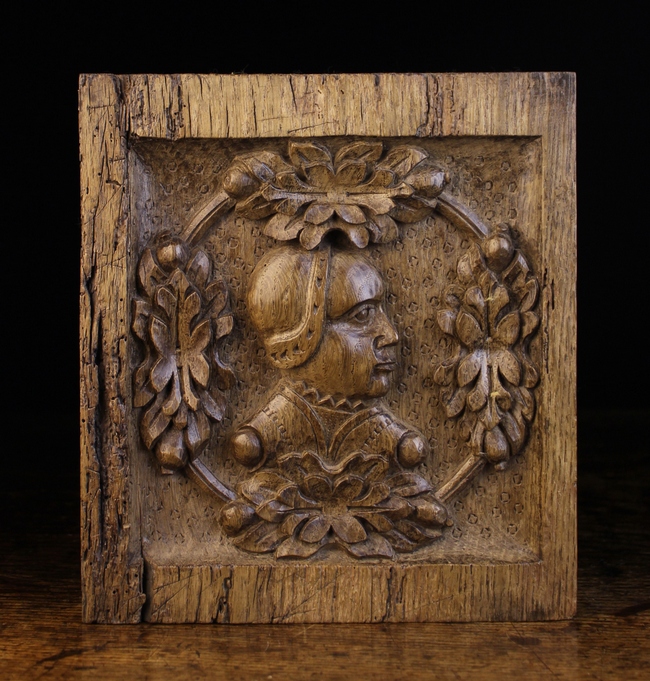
x=50, y=46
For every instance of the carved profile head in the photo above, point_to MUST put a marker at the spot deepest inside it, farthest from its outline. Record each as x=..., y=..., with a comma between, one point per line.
x=321, y=319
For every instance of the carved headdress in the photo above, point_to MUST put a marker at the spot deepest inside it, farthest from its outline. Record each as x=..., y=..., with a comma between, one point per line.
x=288, y=314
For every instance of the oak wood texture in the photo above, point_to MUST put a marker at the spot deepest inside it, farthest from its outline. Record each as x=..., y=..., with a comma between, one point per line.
x=42, y=636
x=151, y=543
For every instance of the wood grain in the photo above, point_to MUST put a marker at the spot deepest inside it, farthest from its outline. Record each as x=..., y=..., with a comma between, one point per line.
x=176, y=205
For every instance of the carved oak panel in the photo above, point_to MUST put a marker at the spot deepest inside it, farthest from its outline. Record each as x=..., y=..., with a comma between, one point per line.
x=335, y=363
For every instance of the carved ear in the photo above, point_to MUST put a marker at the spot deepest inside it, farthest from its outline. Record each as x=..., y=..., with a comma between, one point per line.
x=295, y=346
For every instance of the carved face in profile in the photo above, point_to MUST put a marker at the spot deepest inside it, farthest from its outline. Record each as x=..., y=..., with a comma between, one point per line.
x=321, y=318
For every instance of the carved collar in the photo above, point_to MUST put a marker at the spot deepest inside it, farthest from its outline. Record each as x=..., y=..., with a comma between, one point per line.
x=316, y=399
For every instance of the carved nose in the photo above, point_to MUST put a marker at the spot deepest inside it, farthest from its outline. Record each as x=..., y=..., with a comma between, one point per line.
x=387, y=333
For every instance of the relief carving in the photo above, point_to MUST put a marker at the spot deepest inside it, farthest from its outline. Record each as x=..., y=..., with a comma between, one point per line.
x=326, y=462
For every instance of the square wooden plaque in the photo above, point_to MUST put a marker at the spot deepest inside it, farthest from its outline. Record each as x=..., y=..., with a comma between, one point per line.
x=328, y=347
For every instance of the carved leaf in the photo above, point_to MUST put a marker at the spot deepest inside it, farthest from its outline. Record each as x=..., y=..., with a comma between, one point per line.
x=166, y=300
x=529, y=295
x=214, y=406
x=410, y=210
x=352, y=214
x=412, y=531
x=358, y=235
x=477, y=398
x=289, y=181
x=470, y=366
x=173, y=401
x=464, y=269
x=402, y=159
x=292, y=521
x=260, y=538
x=153, y=423
x=149, y=274
x=368, y=151
x=378, y=203
x=516, y=433
x=381, y=179
x=318, y=487
x=141, y=314
x=408, y=484
x=385, y=229
x=445, y=372
x=350, y=173
x=529, y=323
x=499, y=299
x=531, y=375
x=374, y=546
x=376, y=493
x=162, y=372
x=399, y=541
x=302, y=153
x=223, y=326
x=272, y=510
x=507, y=330
x=263, y=486
x=294, y=548
x=320, y=175
x=255, y=207
x=199, y=268
x=348, y=528
x=447, y=320
x=348, y=487
x=216, y=293
x=380, y=522
x=284, y=227
x=468, y=329
x=318, y=213
x=474, y=298
x=508, y=366
x=455, y=405
x=315, y=529
x=197, y=430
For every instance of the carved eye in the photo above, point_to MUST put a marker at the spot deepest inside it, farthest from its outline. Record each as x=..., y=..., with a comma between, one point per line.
x=364, y=314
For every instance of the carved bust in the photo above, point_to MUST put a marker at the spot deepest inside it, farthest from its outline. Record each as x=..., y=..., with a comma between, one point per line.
x=321, y=317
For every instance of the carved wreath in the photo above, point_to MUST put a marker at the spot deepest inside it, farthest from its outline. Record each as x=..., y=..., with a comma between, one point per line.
x=363, y=193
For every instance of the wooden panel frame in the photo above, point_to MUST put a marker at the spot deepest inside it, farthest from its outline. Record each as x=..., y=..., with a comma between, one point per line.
x=118, y=585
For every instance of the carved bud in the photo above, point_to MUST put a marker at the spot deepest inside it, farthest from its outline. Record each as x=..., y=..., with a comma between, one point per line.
x=170, y=450
x=429, y=511
x=238, y=182
x=246, y=447
x=496, y=446
x=412, y=450
x=498, y=251
x=172, y=254
x=427, y=180
x=234, y=516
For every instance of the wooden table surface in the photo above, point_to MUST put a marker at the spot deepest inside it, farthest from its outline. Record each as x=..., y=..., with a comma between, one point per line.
x=41, y=635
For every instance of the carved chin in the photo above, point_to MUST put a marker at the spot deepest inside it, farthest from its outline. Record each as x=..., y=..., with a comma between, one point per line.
x=379, y=383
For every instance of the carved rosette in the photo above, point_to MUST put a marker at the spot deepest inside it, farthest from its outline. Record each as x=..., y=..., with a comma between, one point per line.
x=488, y=382
x=181, y=380
x=361, y=504
x=360, y=191
x=366, y=503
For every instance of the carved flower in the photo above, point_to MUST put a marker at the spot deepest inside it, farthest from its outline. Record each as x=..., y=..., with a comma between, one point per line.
x=490, y=377
x=177, y=322
x=358, y=504
x=356, y=192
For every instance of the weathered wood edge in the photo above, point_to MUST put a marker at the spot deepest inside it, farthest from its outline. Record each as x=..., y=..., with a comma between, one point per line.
x=558, y=406
x=111, y=570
